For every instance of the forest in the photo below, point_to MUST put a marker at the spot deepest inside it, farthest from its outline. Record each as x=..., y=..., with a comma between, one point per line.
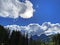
x=16, y=38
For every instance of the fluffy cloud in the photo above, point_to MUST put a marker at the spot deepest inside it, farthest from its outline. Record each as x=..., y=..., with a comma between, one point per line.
x=36, y=29
x=31, y=29
x=52, y=28
x=15, y=8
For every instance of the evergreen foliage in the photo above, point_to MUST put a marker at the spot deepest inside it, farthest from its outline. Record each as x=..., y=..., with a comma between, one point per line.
x=16, y=38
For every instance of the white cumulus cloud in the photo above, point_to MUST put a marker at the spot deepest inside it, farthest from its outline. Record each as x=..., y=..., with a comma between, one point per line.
x=31, y=29
x=52, y=28
x=35, y=29
x=15, y=9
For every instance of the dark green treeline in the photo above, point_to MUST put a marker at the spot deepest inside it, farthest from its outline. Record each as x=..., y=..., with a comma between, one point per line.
x=16, y=38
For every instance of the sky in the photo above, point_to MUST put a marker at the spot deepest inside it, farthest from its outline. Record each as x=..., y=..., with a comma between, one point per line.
x=34, y=17
x=44, y=11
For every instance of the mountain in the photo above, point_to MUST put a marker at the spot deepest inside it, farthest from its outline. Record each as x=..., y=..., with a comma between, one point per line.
x=43, y=38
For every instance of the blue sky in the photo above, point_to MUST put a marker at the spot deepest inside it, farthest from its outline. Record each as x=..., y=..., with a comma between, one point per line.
x=45, y=11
